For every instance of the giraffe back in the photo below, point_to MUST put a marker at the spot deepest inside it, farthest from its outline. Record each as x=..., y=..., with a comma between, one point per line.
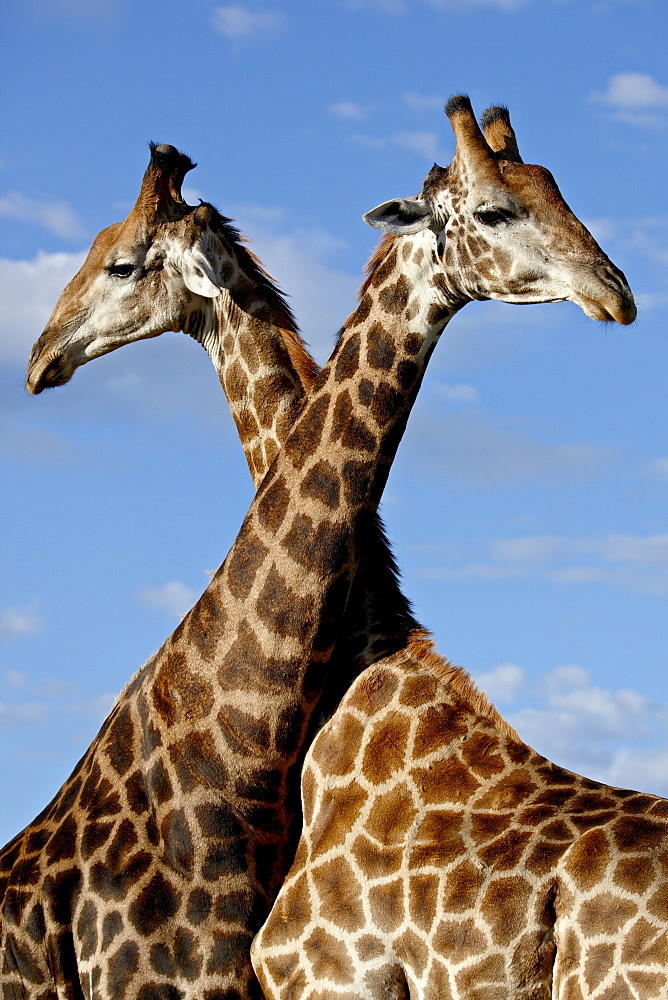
x=443, y=857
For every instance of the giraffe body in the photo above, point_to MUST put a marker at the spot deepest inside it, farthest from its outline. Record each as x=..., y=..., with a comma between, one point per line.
x=442, y=857
x=152, y=868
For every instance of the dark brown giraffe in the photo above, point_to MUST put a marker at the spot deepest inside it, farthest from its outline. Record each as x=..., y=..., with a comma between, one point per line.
x=150, y=870
x=442, y=858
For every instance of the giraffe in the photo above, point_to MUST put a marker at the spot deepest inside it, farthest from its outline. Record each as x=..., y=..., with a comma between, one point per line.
x=442, y=857
x=235, y=311
x=152, y=867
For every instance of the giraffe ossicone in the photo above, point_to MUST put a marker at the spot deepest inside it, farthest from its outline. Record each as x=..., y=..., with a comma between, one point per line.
x=151, y=869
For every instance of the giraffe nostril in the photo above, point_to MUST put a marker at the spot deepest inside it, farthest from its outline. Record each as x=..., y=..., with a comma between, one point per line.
x=616, y=278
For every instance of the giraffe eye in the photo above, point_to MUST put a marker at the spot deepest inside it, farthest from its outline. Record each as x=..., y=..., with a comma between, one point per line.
x=492, y=216
x=121, y=270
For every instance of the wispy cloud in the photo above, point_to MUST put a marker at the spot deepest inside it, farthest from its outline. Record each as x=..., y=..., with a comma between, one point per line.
x=175, y=597
x=503, y=682
x=29, y=290
x=419, y=102
x=615, y=736
x=637, y=98
x=457, y=393
x=17, y=622
x=48, y=695
x=389, y=6
x=304, y=261
x=56, y=216
x=642, y=244
x=48, y=687
x=461, y=6
x=425, y=144
x=348, y=111
x=468, y=445
x=240, y=23
x=636, y=563
x=93, y=710
x=661, y=466
x=466, y=5
x=19, y=716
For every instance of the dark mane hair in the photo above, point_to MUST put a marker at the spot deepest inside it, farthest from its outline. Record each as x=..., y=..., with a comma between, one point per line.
x=283, y=317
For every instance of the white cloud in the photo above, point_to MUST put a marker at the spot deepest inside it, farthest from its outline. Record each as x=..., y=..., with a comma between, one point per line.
x=56, y=216
x=18, y=716
x=175, y=598
x=466, y=5
x=648, y=550
x=418, y=102
x=15, y=622
x=49, y=687
x=636, y=563
x=661, y=466
x=391, y=6
x=640, y=768
x=459, y=393
x=641, y=244
x=348, y=111
x=614, y=736
x=400, y=6
x=472, y=571
x=95, y=709
x=635, y=91
x=423, y=143
x=467, y=445
x=369, y=141
x=321, y=294
x=637, y=97
x=29, y=289
x=502, y=683
x=237, y=22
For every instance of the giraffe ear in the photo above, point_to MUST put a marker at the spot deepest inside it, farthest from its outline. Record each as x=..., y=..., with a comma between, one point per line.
x=400, y=216
x=197, y=272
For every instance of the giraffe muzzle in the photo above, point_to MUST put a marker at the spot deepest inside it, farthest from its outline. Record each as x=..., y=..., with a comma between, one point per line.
x=47, y=376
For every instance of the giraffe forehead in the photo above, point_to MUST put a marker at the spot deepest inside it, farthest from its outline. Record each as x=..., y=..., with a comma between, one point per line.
x=532, y=184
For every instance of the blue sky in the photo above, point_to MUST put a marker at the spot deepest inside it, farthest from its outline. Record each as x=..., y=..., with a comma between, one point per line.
x=528, y=504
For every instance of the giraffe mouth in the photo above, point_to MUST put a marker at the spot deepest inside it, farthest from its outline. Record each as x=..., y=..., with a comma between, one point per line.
x=607, y=298
x=614, y=309
x=43, y=376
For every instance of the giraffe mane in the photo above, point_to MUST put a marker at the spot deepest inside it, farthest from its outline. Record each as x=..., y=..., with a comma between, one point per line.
x=380, y=252
x=421, y=645
x=306, y=367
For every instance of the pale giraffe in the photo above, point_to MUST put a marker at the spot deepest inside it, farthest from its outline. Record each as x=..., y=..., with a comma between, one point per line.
x=115, y=936
x=442, y=858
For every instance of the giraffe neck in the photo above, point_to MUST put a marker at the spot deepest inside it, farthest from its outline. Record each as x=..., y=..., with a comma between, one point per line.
x=266, y=373
x=252, y=339
x=238, y=680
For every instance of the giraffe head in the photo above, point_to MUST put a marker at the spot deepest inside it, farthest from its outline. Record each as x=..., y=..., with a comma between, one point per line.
x=160, y=269
x=501, y=228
